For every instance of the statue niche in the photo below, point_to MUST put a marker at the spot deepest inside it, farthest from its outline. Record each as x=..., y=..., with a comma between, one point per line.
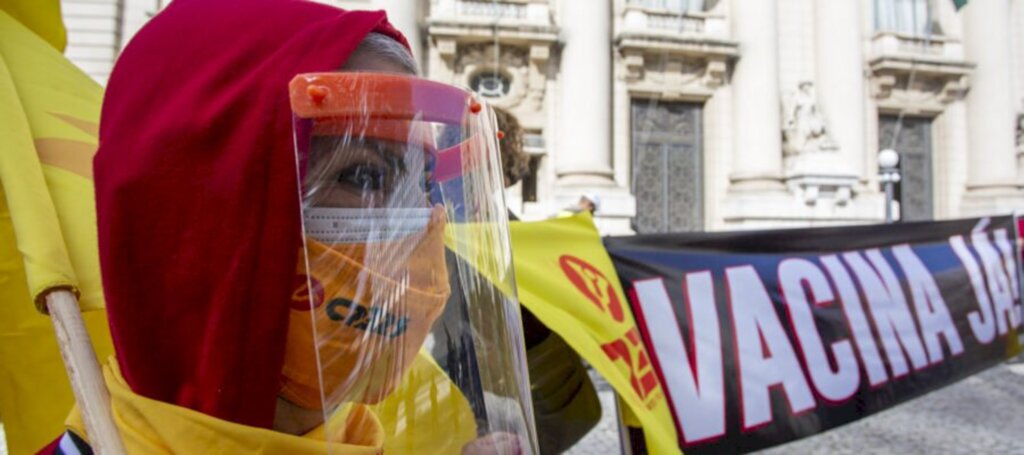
x=804, y=128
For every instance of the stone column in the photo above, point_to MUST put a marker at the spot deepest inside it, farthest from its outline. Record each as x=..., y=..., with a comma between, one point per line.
x=583, y=153
x=840, y=79
x=992, y=161
x=405, y=16
x=757, y=147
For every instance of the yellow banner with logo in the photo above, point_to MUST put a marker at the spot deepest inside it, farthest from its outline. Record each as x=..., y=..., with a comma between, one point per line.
x=49, y=115
x=49, y=112
x=565, y=277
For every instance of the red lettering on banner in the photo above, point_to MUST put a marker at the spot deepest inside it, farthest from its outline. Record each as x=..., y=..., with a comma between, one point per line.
x=756, y=329
x=856, y=321
x=1006, y=250
x=593, y=284
x=896, y=318
x=801, y=283
x=893, y=321
x=693, y=374
x=932, y=312
x=998, y=283
x=983, y=323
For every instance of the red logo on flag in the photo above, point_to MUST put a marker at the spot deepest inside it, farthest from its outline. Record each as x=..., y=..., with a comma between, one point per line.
x=593, y=284
x=301, y=296
x=630, y=350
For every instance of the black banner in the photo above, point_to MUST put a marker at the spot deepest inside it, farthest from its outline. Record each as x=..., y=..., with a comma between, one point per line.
x=765, y=337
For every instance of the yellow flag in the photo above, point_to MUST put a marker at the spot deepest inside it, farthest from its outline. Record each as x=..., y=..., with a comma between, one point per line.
x=41, y=16
x=49, y=112
x=34, y=392
x=423, y=402
x=566, y=279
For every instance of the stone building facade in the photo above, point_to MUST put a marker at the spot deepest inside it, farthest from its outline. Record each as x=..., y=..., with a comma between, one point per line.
x=719, y=114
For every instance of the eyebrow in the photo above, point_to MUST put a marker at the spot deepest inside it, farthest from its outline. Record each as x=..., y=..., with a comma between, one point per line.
x=380, y=148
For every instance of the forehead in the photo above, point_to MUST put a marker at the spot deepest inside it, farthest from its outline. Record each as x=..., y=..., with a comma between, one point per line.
x=369, y=62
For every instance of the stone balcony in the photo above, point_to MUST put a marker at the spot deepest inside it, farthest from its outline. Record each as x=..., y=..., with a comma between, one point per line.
x=522, y=21
x=941, y=73
x=691, y=32
x=695, y=43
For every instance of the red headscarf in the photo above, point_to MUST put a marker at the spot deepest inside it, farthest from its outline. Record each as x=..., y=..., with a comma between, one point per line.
x=196, y=195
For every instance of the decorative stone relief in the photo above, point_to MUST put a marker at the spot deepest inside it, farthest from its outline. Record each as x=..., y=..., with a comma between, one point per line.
x=673, y=73
x=476, y=40
x=929, y=90
x=803, y=128
x=524, y=66
x=812, y=171
x=939, y=69
x=673, y=63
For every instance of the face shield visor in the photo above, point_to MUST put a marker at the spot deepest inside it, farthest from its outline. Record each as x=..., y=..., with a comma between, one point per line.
x=404, y=221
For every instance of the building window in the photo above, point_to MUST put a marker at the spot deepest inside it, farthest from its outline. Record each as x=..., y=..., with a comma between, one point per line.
x=909, y=17
x=490, y=84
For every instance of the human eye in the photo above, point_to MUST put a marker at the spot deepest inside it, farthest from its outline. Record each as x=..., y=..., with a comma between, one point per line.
x=364, y=177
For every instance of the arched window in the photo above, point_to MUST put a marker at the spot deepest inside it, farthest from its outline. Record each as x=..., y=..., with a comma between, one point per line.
x=490, y=84
x=910, y=17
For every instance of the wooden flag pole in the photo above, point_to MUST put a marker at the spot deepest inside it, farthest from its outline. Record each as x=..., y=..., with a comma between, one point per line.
x=84, y=372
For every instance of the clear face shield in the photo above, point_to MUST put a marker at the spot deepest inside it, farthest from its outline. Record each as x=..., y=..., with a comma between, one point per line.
x=405, y=298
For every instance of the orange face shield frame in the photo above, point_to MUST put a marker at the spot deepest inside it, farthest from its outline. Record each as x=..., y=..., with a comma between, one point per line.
x=390, y=107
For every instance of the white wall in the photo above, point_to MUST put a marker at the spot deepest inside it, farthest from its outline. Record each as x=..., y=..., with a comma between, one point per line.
x=99, y=29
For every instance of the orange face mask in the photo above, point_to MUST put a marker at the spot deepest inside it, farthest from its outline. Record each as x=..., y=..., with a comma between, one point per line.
x=373, y=307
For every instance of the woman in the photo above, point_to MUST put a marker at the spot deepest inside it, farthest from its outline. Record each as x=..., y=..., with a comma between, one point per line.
x=201, y=231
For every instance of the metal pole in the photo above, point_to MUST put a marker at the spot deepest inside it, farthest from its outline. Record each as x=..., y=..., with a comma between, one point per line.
x=888, y=199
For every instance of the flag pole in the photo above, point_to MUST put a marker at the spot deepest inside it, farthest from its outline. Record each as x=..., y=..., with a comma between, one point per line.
x=83, y=372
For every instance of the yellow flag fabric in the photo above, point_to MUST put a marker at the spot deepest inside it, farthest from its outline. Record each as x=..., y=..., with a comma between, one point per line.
x=425, y=401
x=41, y=16
x=405, y=422
x=565, y=277
x=34, y=392
x=154, y=427
x=49, y=112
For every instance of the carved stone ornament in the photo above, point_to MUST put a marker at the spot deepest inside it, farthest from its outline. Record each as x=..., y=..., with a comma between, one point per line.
x=804, y=127
x=522, y=65
x=907, y=73
x=674, y=65
x=683, y=73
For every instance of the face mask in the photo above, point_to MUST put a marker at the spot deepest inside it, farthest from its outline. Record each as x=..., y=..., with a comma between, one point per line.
x=348, y=226
x=374, y=304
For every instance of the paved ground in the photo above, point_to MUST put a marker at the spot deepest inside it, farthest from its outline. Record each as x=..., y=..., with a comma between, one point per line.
x=605, y=438
x=981, y=414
